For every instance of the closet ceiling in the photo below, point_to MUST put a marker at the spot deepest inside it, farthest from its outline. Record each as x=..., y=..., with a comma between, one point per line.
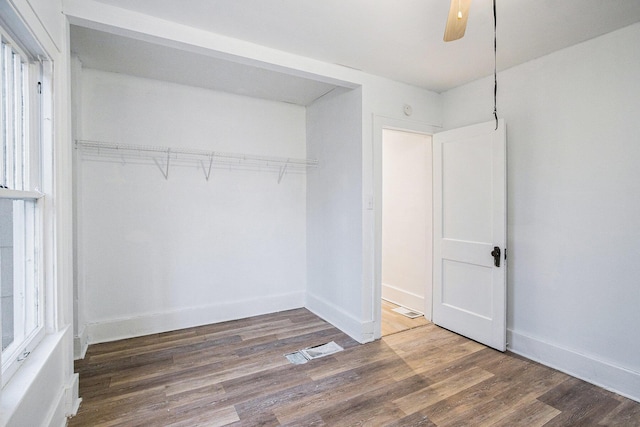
x=401, y=39
x=118, y=54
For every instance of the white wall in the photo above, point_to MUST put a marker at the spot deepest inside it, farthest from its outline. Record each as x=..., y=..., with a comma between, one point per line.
x=334, y=210
x=406, y=219
x=162, y=254
x=379, y=97
x=574, y=212
x=344, y=262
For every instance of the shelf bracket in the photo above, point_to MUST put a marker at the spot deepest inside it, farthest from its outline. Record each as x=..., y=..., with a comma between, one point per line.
x=164, y=169
x=207, y=172
x=283, y=169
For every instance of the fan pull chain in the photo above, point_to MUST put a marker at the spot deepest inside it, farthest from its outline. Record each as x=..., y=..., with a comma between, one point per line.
x=495, y=60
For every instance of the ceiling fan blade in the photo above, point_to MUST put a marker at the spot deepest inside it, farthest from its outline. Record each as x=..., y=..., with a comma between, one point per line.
x=457, y=20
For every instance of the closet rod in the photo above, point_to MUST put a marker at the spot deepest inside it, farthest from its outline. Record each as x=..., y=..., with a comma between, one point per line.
x=200, y=154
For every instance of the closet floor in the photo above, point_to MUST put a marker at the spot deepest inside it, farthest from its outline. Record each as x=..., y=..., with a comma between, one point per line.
x=235, y=373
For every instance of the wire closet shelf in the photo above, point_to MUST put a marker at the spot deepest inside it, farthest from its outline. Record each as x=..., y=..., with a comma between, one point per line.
x=165, y=157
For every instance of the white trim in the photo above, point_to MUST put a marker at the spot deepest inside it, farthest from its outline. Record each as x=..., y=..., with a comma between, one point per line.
x=80, y=344
x=32, y=34
x=402, y=297
x=116, y=329
x=360, y=331
x=588, y=368
x=6, y=193
x=379, y=124
x=71, y=399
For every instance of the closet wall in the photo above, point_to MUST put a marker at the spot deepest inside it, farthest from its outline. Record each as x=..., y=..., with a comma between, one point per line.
x=334, y=211
x=159, y=254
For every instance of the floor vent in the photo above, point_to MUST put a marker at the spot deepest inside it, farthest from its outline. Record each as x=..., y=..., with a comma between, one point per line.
x=303, y=356
x=406, y=312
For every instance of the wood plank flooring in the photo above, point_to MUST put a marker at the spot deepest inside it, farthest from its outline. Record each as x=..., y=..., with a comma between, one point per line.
x=393, y=322
x=235, y=374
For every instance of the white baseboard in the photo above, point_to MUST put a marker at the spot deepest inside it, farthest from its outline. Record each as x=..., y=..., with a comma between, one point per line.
x=402, y=297
x=196, y=316
x=72, y=396
x=356, y=329
x=80, y=344
x=603, y=374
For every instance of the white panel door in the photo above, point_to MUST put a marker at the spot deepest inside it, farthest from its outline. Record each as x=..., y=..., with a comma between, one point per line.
x=469, y=220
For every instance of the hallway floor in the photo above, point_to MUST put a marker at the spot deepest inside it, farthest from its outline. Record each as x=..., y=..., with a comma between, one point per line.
x=393, y=322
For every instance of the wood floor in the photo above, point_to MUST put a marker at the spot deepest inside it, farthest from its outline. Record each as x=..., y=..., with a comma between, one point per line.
x=235, y=374
x=393, y=322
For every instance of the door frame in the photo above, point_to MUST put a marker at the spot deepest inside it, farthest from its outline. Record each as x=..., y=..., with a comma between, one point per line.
x=379, y=124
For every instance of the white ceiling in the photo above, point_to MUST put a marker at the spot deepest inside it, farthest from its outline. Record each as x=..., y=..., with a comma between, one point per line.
x=398, y=39
x=118, y=54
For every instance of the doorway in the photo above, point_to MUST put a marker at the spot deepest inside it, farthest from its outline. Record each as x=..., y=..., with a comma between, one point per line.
x=406, y=263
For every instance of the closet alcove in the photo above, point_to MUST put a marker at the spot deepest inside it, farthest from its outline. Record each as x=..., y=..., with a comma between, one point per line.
x=206, y=189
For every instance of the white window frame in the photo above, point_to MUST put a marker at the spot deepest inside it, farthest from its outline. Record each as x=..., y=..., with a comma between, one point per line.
x=27, y=183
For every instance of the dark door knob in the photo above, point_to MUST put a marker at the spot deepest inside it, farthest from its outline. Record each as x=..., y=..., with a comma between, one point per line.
x=495, y=253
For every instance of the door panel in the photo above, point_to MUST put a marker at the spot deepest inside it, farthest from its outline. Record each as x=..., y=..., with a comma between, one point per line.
x=468, y=288
x=469, y=221
x=467, y=189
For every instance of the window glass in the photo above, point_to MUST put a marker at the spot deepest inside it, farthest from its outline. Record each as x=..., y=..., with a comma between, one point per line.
x=14, y=166
x=21, y=297
x=19, y=276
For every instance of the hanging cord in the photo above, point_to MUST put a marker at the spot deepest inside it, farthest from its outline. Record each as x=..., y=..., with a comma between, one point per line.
x=495, y=60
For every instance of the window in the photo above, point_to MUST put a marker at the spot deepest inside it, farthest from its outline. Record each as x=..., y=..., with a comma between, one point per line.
x=21, y=205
